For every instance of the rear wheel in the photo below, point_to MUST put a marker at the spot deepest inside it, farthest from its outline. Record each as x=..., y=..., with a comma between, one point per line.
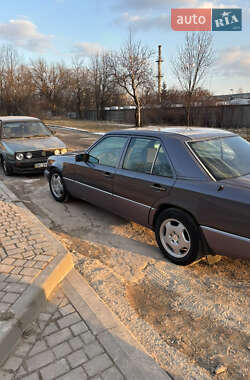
x=6, y=167
x=57, y=187
x=178, y=236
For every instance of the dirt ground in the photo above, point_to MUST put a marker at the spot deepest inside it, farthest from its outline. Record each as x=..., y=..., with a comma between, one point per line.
x=193, y=320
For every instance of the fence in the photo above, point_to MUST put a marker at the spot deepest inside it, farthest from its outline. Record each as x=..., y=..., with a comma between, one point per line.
x=226, y=117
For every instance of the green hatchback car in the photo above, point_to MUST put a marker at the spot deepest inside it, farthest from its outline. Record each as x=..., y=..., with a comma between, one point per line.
x=25, y=144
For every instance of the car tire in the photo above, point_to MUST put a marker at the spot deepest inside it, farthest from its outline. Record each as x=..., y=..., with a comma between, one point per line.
x=57, y=187
x=7, y=169
x=178, y=236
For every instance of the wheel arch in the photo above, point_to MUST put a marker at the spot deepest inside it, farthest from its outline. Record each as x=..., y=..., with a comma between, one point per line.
x=203, y=243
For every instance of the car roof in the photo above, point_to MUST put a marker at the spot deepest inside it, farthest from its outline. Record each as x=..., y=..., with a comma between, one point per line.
x=183, y=132
x=17, y=118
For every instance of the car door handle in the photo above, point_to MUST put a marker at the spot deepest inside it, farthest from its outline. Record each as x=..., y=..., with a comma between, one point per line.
x=158, y=187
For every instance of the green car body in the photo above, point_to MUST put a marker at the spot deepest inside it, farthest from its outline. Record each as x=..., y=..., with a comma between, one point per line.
x=25, y=144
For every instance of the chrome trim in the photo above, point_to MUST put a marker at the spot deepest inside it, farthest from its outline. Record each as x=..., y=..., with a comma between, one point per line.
x=107, y=192
x=197, y=158
x=226, y=234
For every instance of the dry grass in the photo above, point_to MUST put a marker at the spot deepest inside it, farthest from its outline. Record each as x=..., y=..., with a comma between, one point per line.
x=88, y=125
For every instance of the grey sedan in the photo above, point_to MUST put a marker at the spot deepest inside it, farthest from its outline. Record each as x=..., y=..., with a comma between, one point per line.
x=25, y=144
x=190, y=185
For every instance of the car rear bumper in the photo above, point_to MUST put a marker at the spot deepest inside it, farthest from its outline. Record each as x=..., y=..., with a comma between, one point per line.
x=226, y=244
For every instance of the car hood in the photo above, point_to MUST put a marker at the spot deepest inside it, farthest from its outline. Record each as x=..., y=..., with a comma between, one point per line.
x=31, y=144
x=243, y=181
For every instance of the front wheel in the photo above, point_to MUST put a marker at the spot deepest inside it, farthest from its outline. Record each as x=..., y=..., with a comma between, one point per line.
x=177, y=236
x=57, y=187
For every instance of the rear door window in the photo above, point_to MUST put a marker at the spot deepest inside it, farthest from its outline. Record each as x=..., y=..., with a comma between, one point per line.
x=141, y=154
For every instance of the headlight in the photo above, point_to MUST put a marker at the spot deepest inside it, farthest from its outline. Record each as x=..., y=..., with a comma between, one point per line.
x=19, y=156
x=56, y=152
x=64, y=150
x=28, y=155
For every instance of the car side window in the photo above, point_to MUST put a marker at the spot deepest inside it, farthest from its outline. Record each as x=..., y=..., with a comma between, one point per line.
x=162, y=165
x=141, y=154
x=108, y=151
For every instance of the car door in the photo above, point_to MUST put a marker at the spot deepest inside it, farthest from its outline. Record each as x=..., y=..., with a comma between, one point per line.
x=144, y=177
x=93, y=180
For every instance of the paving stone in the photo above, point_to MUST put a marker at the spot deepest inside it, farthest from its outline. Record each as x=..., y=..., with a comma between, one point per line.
x=10, y=297
x=23, y=349
x=58, y=368
x=97, y=365
x=30, y=272
x=76, y=343
x=79, y=328
x=15, y=288
x=112, y=374
x=5, y=268
x=67, y=309
x=44, y=316
x=87, y=337
x=8, y=261
x=13, y=363
x=51, y=328
x=58, y=337
x=5, y=376
x=77, y=358
x=40, y=360
x=40, y=264
x=62, y=350
x=39, y=346
x=2, y=285
x=21, y=372
x=75, y=374
x=69, y=320
x=93, y=349
x=33, y=376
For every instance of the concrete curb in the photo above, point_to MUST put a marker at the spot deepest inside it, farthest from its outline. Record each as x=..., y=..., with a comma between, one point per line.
x=123, y=348
x=31, y=302
x=75, y=129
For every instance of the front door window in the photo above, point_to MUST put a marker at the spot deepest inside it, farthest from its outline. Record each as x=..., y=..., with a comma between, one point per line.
x=108, y=151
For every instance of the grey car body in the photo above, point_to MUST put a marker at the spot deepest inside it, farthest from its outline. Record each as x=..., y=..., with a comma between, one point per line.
x=40, y=147
x=215, y=212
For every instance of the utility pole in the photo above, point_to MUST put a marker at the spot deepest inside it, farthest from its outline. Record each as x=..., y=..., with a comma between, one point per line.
x=159, y=76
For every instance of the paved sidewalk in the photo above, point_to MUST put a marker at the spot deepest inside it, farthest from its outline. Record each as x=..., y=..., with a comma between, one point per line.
x=70, y=342
x=52, y=324
x=62, y=346
x=32, y=263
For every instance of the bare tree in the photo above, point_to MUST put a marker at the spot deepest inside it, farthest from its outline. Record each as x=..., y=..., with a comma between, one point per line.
x=192, y=63
x=132, y=70
x=9, y=61
x=102, y=82
x=79, y=85
x=51, y=82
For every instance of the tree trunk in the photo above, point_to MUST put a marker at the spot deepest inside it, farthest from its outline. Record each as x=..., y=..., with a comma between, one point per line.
x=188, y=108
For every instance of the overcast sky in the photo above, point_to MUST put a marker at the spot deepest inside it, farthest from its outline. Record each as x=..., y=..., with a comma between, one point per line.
x=58, y=29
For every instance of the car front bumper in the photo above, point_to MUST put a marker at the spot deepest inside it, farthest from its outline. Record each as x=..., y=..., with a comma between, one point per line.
x=28, y=166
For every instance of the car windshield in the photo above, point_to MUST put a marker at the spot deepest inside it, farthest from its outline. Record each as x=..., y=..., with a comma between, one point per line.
x=24, y=129
x=225, y=157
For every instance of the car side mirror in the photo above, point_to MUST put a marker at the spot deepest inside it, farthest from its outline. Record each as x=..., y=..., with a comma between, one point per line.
x=84, y=157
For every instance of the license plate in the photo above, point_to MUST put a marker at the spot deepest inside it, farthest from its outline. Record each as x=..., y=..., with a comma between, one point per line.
x=40, y=165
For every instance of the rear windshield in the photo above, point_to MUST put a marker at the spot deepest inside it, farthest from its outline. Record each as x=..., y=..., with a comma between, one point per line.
x=19, y=129
x=225, y=157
